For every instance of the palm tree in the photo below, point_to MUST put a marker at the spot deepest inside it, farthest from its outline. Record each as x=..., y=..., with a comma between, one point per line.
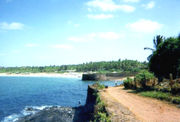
x=157, y=41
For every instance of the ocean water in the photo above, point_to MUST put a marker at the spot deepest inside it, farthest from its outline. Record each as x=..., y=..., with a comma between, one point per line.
x=19, y=93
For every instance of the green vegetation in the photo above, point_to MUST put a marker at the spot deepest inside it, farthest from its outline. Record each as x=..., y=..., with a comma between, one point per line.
x=98, y=86
x=128, y=66
x=162, y=96
x=166, y=58
x=156, y=94
x=143, y=80
x=112, y=66
x=100, y=113
x=128, y=83
x=156, y=41
x=164, y=63
x=146, y=85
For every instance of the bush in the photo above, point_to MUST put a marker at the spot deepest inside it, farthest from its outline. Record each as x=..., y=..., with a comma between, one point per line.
x=128, y=83
x=100, y=113
x=175, y=100
x=175, y=88
x=98, y=86
x=101, y=117
x=144, y=77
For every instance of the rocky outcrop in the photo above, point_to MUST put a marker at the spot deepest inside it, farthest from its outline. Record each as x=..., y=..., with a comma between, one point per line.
x=65, y=114
x=51, y=114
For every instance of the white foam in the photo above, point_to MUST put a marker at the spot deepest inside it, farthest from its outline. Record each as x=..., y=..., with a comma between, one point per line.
x=11, y=118
x=28, y=110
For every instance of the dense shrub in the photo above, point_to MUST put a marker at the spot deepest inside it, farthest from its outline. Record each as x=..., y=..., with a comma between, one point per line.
x=175, y=100
x=175, y=89
x=100, y=113
x=166, y=58
x=101, y=117
x=128, y=83
x=143, y=78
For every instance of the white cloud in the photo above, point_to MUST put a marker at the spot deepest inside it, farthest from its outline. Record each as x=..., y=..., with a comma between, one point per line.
x=100, y=16
x=108, y=5
x=11, y=26
x=133, y=1
x=97, y=36
x=62, y=46
x=150, y=5
x=31, y=45
x=143, y=25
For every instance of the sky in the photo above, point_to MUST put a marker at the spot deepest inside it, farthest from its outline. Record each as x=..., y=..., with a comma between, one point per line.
x=58, y=32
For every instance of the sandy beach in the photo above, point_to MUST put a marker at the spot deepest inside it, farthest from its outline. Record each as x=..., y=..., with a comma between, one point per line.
x=64, y=75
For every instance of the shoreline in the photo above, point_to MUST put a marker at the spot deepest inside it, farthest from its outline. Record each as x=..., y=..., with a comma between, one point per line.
x=61, y=75
x=58, y=75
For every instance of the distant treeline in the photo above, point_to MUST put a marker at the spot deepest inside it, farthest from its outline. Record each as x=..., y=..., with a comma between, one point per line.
x=101, y=67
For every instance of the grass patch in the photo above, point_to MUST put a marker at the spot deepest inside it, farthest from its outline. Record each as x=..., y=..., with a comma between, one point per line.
x=156, y=94
x=161, y=96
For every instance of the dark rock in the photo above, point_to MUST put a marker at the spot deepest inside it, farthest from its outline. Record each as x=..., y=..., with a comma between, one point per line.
x=29, y=109
x=52, y=114
x=65, y=114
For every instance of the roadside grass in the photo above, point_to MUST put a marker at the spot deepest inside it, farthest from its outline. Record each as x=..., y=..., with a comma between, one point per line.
x=161, y=96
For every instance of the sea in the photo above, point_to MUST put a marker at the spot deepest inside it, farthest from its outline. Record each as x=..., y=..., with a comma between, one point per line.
x=19, y=93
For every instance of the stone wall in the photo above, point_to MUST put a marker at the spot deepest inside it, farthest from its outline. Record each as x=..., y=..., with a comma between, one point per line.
x=104, y=77
x=94, y=77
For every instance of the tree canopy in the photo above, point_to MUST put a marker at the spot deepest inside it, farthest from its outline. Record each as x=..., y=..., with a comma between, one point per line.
x=101, y=67
x=166, y=58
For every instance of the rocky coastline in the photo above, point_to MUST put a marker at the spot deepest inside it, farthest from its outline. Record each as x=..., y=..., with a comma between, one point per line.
x=64, y=114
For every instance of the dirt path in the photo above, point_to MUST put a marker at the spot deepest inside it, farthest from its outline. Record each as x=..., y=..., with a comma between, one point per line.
x=125, y=106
